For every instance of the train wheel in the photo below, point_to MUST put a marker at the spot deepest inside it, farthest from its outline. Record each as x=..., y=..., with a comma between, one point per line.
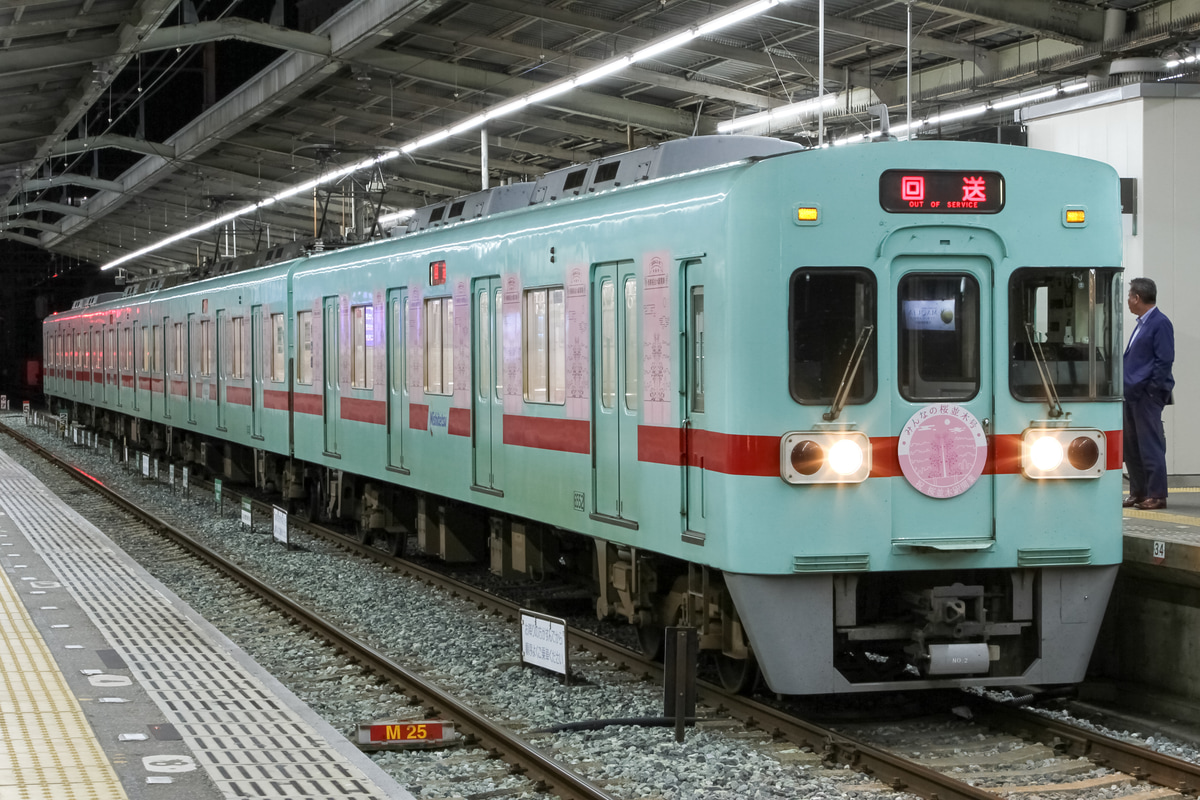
x=738, y=675
x=652, y=635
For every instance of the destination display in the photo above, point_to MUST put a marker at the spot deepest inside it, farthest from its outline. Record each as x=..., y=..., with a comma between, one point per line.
x=936, y=191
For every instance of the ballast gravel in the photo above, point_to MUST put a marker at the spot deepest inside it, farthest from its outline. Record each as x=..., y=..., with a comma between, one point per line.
x=469, y=652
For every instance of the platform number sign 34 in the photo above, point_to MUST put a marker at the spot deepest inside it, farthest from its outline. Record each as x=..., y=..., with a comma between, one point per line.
x=1160, y=552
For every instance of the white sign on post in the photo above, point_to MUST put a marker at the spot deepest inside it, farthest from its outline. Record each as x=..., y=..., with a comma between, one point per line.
x=247, y=513
x=544, y=642
x=279, y=528
x=145, y=465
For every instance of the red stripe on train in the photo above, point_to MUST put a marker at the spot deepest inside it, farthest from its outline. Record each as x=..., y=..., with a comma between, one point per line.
x=565, y=435
x=238, y=394
x=359, y=410
x=460, y=422
x=308, y=403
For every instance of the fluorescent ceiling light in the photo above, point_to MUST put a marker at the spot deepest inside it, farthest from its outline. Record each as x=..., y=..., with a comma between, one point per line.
x=562, y=86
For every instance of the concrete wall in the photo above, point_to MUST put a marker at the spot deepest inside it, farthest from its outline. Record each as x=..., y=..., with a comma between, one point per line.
x=1149, y=132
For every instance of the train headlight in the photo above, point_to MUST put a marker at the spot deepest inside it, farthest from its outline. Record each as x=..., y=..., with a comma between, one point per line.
x=812, y=457
x=1046, y=453
x=846, y=457
x=1058, y=453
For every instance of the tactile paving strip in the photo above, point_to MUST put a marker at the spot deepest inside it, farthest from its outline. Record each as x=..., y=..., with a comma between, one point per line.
x=47, y=749
x=236, y=728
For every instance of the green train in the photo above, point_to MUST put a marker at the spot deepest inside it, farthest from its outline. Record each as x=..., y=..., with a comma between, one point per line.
x=853, y=413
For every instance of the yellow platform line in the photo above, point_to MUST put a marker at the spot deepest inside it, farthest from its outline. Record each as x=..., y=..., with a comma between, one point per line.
x=1162, y=516
x=47, y=747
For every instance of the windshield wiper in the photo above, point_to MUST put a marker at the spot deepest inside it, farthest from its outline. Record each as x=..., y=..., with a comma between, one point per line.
x=1056, y=409
x=856, y=356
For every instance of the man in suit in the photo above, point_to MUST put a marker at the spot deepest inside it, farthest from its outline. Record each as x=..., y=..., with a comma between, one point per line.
x=1148, y=383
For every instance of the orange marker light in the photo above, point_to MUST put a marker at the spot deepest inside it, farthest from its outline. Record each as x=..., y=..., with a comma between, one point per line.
x=806, y=214
x=1075, y=215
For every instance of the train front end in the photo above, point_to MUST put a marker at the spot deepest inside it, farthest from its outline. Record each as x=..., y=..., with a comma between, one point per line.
x=946, y=510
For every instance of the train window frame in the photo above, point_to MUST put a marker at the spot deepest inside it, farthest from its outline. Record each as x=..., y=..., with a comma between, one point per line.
x=177, y=348
x=97, y=349
x=439, y=346
x=147, y=350
x=206, y=347
x=304, y=359
x=157, y=343
x=907, y=351
x=363, y=339
x=278, y=348
x=1100, y=344
x=110, y=349
x=544, y=365
x=237, y=343
x=821, y=390
x=633, y=347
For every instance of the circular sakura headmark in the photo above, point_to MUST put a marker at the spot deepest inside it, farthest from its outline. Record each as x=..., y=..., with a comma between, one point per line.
x=942, y=450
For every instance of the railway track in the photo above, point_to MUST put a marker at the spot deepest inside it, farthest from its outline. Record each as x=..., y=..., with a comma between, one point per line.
x=998, y=743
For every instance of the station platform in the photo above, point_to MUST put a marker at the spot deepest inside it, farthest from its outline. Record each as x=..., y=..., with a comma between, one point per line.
x=1167, y=539
x=112, y=687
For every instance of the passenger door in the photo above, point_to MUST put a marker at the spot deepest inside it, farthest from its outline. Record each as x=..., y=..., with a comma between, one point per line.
x=397, y=393
x=257, y=356
x=488, y=396
x=329, y=367
x=943, y=407
x=221, y=367
x=695, y=387
x=615, y=394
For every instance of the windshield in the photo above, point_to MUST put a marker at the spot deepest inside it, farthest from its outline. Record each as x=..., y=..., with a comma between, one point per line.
x=1073, y=315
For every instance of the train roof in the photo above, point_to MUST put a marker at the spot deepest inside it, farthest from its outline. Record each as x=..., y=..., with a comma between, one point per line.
x=674, y=157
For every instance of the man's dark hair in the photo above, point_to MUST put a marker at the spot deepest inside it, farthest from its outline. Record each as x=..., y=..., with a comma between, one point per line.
x=1145, y=289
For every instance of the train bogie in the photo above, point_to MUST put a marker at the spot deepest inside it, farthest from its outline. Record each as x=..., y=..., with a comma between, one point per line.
x=853, y=414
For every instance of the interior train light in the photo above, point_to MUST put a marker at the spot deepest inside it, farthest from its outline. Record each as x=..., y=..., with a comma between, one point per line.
x=814, y=457
x=1062, y=453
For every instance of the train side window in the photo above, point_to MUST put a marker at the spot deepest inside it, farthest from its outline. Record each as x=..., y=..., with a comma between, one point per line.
x=206, y=347
x=278, y=348
x=1067, y=319
x=483, y=380
x=698, y=354
x=397, y=341
x=237, y=342
x=439, y=346
x=304, y=359
x=147, y=349
x=178, y=354
x=97, y=350
x=608, y=344
x=110, y=351
x=158, y=351
x=362, y=370
x=633, y=369
x=829, y=309
x=500, y=361
x=938, y=340
x=544, y=327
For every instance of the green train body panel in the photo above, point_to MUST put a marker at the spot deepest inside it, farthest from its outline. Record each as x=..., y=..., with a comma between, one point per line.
x=638, y=460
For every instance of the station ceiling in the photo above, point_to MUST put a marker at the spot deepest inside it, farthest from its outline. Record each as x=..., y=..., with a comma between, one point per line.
x=123, y=122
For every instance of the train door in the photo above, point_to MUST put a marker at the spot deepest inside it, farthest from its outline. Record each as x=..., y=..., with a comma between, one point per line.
x=222, y=367
x=257, y=354
x=615, y=394
x=694, y=422
x=397, y=393
x=161, y=367
x=329, y=362
x=190, y=371
x=488, y=397
x=943, y=408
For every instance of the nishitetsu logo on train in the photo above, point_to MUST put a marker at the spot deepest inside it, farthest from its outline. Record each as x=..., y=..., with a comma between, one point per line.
x=942, y=450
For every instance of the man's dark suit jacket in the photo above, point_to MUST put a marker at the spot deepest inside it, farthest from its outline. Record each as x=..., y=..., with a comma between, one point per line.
x=1149, y=358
